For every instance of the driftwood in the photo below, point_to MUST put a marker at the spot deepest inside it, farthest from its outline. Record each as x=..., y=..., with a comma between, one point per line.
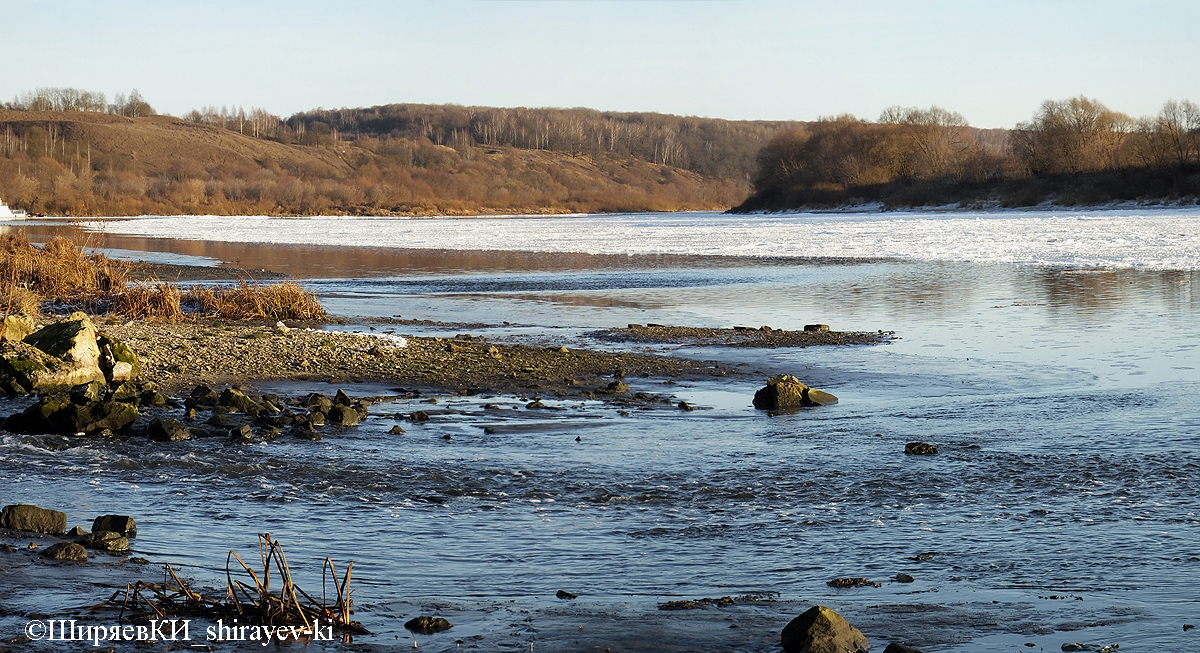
x=252, y=603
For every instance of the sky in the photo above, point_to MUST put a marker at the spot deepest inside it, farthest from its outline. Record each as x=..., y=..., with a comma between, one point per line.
x=993, y=62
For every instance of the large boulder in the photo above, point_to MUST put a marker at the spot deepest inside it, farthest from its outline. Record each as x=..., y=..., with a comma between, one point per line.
x=821, y=630
x=56, y=357
x=168, y=430
x=110, y=541
x=58, y=414
x=786, y=391
x=23, y=517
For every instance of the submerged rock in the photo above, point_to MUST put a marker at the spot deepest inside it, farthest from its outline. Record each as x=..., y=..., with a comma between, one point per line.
x=24, y=517
x=427, y=625
x=565, y=595
x=920, y=449
x=896, y=647
x=57, y=414
x=168, y=430
x=65, y=551
x=821, y=630
x=109, y=541
x=786, y=391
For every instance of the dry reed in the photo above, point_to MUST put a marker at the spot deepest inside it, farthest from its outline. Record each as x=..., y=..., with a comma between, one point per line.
x=254, y=603
x=284, y=301
x=60, y=270
x=152, y=301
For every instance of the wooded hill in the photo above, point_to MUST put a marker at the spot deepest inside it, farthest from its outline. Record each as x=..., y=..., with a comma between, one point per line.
x=1072, y=152
x=388, y=160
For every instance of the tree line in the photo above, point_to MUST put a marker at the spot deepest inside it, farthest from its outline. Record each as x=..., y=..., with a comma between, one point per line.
x=73, y=99
x=1072, y=151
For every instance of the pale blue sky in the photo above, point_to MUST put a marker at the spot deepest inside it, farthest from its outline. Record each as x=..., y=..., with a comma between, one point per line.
x=741, y=59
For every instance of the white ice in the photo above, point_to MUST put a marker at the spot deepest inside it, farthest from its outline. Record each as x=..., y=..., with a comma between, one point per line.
x=1159, y=238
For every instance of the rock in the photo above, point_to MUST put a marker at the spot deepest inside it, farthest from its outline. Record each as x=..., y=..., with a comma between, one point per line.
x=23, y=517
x=8, y=548
x=316, y=418
x=616, y=388
x=242, y=433
x=920, y=449
x=683, y=405
x=1075, y=647
x=269, y=432
x=86, y=393
x=281, y=327
x=896, y=647
x=237, y=400
x=536, y=404
x=318, y=401
x=786, y=391
x=167, y=430
x=565, y=595
x=124, y=363
x=25, y=368
x=139, y=561
x=153, y=398
x=427, y=625
x=852, y=582
x=121, y=524
x=17, y=327
x=396, y=430
x=342, y=399
x=109, y=541
x=127, y=392
x=821, y=630
x=78, y=531
x=903, y=578
x=419, y=416
x=65, y=551
x=56, y=414
x=204, y=395
x=816, y=327
x=342, y=415
x=72, y=340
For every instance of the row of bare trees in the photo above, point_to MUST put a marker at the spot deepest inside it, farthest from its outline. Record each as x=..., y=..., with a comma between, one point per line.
x=73, y=99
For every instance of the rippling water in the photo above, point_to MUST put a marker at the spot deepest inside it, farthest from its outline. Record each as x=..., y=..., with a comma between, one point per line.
x=1062, y=400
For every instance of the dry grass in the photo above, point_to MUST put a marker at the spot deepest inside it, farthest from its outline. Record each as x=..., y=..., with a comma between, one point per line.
x=63, y=272
x=284, y=301
x=154, y=301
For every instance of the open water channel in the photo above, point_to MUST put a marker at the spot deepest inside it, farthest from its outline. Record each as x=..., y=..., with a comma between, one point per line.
x=1055, y=369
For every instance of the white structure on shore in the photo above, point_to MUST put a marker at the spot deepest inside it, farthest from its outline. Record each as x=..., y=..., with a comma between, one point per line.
x=9, y=214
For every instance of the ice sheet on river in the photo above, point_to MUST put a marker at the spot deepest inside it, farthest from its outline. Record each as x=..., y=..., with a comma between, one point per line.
x=1167, y=239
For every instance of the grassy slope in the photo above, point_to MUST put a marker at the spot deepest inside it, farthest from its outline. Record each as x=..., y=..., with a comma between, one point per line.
x=162, y=164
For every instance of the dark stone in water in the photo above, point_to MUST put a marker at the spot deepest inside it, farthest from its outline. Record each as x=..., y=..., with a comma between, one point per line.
x=23, y=517
x=535, y=405
x=167, y=430
x=896, y=647
x=920, y=449
x=924, y=556
x=427, y=625
x=616, y=388
x=786, y=391
x=342, y=399
x=396, y=430
x=343, y=415
x=904, y=578
x=78, y=531
x=816, y=327
x=683, y=405
x=109, y=541
x=565, y=595
x=489, y=430
x=419, y=416
x=122, y=524
x=65, y=551
x=852, y=582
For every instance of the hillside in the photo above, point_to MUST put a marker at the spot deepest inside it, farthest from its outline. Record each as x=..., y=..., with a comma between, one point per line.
x=96, y=164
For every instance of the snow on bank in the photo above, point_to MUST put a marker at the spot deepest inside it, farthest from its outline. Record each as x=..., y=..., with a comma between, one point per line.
x=1140, y=238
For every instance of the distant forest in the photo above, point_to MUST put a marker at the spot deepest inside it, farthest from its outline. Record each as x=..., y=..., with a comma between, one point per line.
x=66, y=151
x=69, y=152
x=1072, y=152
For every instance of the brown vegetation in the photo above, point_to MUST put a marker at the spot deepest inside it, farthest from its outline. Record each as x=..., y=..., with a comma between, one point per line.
x=61, y=272
x=1074, y=151
x=388, y=160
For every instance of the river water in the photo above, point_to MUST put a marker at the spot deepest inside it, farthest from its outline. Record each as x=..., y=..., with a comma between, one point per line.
x=1051, y=357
